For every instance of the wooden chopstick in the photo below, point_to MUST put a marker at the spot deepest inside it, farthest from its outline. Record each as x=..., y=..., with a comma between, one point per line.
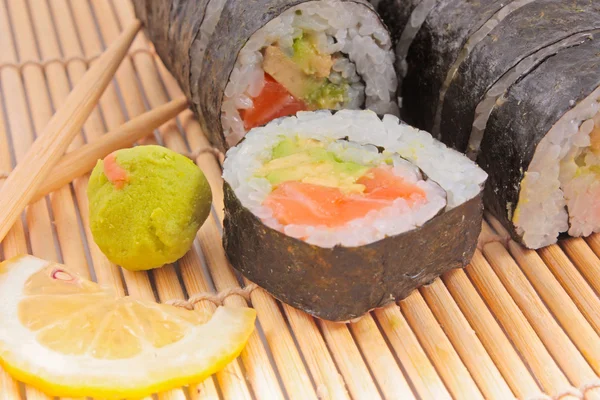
x=82, y=160
x=22, y=184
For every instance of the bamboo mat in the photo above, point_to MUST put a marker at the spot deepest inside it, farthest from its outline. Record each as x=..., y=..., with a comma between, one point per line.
x=515, y=323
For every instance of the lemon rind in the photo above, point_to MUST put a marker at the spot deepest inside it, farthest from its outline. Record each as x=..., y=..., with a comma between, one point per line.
x=42, y=377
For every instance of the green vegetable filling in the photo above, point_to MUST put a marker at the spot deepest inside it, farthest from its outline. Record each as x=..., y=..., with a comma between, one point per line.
x=308, y=161
x=328, y=95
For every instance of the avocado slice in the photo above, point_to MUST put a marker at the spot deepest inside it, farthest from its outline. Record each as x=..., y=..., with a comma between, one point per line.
x=304, y=74
x=289, y=74
x=308, y=58
x=308, y=161
x=328, y=95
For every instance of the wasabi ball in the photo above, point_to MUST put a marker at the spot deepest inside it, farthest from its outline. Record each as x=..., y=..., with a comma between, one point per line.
x=146, y=205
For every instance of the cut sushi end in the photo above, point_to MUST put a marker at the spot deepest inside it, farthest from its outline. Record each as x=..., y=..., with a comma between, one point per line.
x=332, y=191
x=339, y=214
x=560, y=192
x=580, y=179
x=316, y=55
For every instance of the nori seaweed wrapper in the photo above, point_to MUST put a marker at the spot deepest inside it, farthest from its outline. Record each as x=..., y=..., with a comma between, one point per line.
x=522, y=33
x=396, y=14
x=435, y=48
x=532, y=106
x=342, y=283
x=174, y=26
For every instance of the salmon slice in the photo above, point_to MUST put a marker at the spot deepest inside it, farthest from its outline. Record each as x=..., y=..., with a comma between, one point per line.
x=381, y=183
x=301, y=203
x=274, y=101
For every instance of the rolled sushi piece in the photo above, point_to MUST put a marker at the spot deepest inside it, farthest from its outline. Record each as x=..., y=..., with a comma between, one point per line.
x=432, y=37
x=245, y=63
x=337, y=214
x=474, y=78
x=533, y=28
x=542, y=149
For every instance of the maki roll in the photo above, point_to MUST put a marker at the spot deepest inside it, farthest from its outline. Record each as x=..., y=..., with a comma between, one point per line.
x=337, y=214
x=244, y=63
x=514, y=84
x=547, y=143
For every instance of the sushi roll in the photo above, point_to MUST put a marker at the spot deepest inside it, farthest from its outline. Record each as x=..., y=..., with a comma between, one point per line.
x=245, y=63
x=514, y=85
x=337, y=214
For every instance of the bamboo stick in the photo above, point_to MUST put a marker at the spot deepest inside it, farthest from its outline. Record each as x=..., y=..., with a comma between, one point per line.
x=565, y=272
x=493, y=338
x=9, y=388
x=107, y=274
x=329, y=382
x=441, y=352
x=565, y=353
x=557, y=299
x=594, y=242
x=59, y=132
x=573, y=282
x=584, y=258
x=516, y=325
x=415, y=362
x=14, y=242
x=38, y=219
x=108, y=25
x=62, y=203
x=296, y=379
x=81, y=161
x=378, y=355
x=465, y=341
x=17, y=121
x=349, y=360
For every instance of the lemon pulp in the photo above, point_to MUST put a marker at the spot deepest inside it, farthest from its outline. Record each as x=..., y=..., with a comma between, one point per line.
x=70, y=337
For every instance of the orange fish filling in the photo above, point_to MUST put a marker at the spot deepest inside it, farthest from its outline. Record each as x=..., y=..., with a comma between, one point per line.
x=301, y=203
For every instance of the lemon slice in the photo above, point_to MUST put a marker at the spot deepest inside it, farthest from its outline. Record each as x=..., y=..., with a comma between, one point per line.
x=69, y=337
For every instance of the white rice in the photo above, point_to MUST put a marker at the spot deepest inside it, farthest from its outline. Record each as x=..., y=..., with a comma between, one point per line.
x=552, y=183
x=344, y=27
x=446, y=170
x=409, y=33
x=581, y=185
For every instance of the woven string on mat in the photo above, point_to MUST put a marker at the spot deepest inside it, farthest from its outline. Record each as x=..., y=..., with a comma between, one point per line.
x=578, y=393
x=65, y=61
x=215, y=298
